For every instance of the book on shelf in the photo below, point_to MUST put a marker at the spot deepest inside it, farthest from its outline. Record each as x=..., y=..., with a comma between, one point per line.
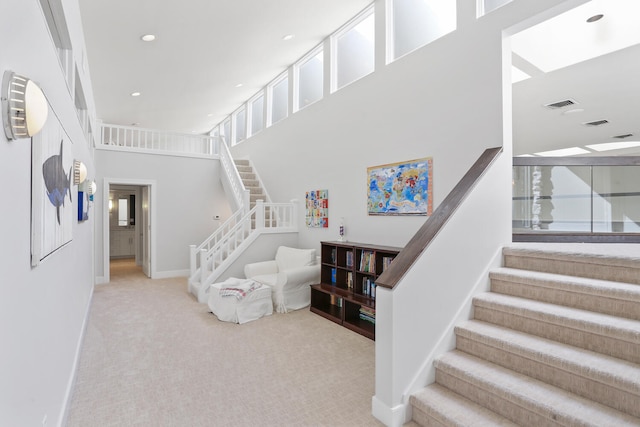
x=386, y=262
x=334, y=272
x=350, y=280
x=368, y=287
x=367, y=262
x=349, y=260
x=336, y=300
x=367, y=314
x=333, y=255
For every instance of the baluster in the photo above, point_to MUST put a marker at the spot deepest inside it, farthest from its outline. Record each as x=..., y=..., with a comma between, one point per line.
x=192, y=260
x=294, y=213
x=203, y=266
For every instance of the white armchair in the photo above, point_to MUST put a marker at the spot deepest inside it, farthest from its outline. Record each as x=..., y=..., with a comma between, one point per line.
x=289, y=277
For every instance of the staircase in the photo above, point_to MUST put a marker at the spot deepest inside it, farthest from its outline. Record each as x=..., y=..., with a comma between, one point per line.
x=556, y=342
x=211, y=259
x=251, y=182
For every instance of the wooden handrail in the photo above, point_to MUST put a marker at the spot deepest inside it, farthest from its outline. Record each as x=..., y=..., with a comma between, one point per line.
x=432, y=226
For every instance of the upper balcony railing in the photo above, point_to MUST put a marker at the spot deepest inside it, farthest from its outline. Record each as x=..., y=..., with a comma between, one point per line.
x=576, y=199
x=128, y=138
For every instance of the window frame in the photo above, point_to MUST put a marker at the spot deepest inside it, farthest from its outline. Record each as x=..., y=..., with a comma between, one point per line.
x=316, y=51
x=249, y=115
x=269, y=98
x=334, y=38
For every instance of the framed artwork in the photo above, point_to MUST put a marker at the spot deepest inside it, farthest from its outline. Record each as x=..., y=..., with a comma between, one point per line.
x=403, y=188
x=52, y=210
x=317, y=209
x=83, y=205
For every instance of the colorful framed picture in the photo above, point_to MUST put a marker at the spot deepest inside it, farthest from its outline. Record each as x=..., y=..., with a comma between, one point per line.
x=404, y=188
x=317, y=209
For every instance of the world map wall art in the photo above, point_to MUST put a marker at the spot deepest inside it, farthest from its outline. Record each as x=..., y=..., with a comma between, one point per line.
x=404, y=188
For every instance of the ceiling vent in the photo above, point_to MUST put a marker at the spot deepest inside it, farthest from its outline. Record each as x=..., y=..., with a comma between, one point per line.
x=626, y=135
x=597, y=122
x=561, y=104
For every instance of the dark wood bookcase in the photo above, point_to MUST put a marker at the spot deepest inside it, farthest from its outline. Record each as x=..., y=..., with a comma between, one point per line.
x=346, y=294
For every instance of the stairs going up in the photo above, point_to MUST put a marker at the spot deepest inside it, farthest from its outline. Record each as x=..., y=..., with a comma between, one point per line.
x=250, y=181
x=556, y=342
x=256, y=192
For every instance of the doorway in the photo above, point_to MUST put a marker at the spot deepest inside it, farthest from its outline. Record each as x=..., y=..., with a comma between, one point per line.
x=128, y=226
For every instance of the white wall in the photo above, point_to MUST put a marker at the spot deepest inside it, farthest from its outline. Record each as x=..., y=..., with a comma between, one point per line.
x=429, y=103
x=42, y=310
x=446, y=100
x=188, y=196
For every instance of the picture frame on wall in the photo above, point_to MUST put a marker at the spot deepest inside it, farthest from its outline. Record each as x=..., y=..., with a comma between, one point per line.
x=402, y=188
x=317, y=209
x=52, y=209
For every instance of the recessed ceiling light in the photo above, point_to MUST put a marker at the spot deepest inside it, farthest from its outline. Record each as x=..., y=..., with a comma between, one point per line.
x=148, y=38
x=288, y=37
x=239, y=85
x=135, y=93
x=595, y=18
x=210, y=115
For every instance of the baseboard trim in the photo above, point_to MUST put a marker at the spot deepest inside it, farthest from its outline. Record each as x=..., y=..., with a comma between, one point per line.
x=391, y=417
x=72, y=379
x=170, y=273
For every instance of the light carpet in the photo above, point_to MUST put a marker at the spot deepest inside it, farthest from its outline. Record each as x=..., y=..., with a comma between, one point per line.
x=153, y=356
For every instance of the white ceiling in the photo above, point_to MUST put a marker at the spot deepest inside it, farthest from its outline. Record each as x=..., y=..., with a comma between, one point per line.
x=188, y=76
x=597, y=65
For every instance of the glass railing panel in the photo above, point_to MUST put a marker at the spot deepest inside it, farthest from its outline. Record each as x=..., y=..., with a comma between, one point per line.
x=616, y=199
x=551, y=199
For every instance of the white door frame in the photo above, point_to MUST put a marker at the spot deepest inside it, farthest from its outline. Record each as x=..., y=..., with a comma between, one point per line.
x=105, y=221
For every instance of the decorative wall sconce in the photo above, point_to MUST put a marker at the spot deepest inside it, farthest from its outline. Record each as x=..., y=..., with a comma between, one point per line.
x=79, y=172
x=93, y=187
x=24, y=106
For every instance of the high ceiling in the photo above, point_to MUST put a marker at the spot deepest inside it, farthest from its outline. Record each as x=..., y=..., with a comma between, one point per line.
x=209, y=56
x=187, y=76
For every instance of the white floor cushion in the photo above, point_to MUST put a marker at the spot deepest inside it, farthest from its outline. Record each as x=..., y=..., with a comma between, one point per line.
x=229, y=308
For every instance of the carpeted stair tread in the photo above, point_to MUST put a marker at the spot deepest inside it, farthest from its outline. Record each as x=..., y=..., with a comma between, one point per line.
x=617, y=262
x=612, y=326
x=518, y=394
x=621, y=299
x=616, y=255
x=611, y=289
x=247, y=175
x=451, y=409
x=243, y=162
x=608, y=380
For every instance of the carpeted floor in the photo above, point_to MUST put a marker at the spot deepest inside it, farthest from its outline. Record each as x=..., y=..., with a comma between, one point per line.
x=153, y=356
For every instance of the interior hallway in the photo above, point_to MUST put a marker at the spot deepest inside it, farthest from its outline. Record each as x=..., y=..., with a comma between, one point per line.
x=153, y=356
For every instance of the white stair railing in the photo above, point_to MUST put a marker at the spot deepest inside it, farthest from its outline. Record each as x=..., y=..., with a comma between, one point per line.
x=133, y=138
x=213, y=256
x=232, y=180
